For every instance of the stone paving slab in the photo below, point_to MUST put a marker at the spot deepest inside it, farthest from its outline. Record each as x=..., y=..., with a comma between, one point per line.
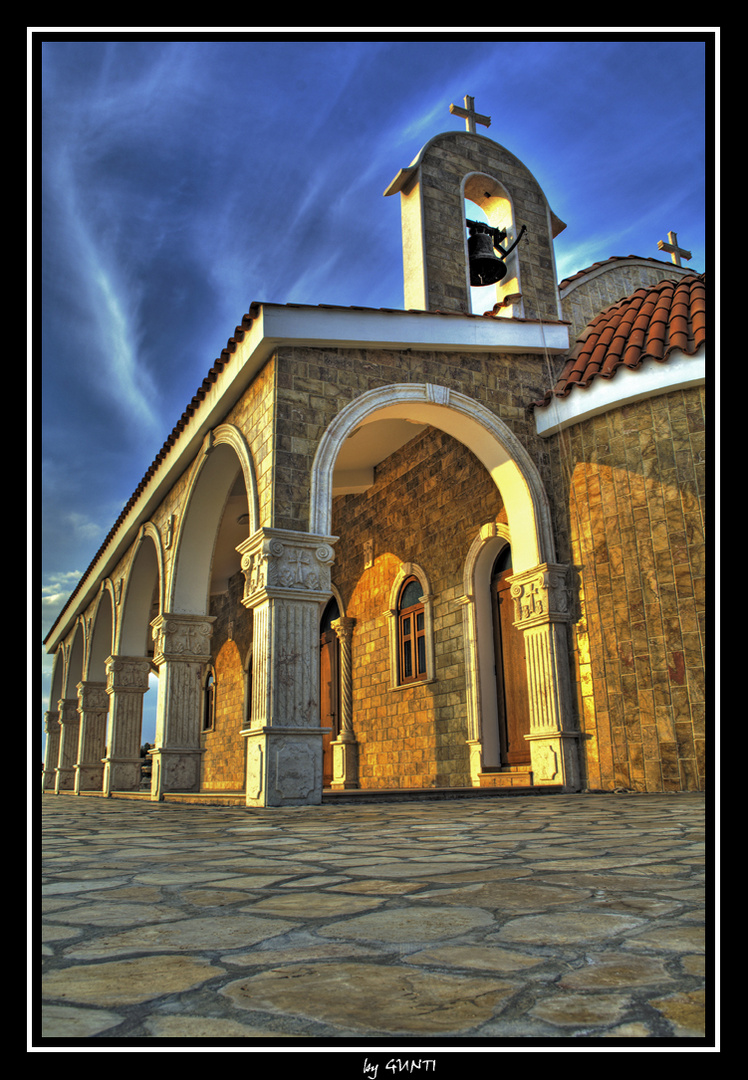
x=464, y=922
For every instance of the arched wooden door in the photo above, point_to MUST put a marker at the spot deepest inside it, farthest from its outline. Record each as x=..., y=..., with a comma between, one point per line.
x=511, y=671
x=329, y=682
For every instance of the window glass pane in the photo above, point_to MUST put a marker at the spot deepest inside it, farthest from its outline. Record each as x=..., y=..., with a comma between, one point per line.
x=410, y=595
x=419, y=620
x=421, y=655
x=407, y=660
x=406, y=626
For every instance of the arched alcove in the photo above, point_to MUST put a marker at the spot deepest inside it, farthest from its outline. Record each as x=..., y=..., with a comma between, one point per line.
x=506, y=460
x=76, y=659
x=102, y=635
x=141, y=599
x=221, y=512
x=487, y=200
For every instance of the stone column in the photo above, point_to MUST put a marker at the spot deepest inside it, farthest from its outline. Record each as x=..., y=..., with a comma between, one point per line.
x=345, y=747
x=287, y=577
x=68, y=753
x=542, y=612
x=93, y=707
x=127, y=682
x=181, y=651
x=51, y=750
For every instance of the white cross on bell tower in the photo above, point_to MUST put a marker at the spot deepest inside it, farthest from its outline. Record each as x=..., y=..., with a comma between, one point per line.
x=471, y=116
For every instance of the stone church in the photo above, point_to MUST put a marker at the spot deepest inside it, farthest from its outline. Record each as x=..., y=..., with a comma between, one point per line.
x=425, y=548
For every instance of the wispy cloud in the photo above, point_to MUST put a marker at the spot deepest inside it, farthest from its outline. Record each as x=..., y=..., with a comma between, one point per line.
x=57, y=587
x=109, y=324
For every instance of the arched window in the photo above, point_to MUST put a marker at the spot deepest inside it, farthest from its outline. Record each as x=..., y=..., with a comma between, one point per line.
x=209, y=700
x=411, y=632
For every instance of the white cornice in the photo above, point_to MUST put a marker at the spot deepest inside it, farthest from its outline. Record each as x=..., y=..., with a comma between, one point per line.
x=340, y=328
x=678, y=372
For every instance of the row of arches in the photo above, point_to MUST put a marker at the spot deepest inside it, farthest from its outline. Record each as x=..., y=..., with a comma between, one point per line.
x=173, y=570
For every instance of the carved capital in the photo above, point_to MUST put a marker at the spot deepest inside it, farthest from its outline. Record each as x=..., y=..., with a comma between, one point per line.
x=68, y=711
x=541, y=595
x=182, y=637
x=343, y=627
x=127, y=674
x=92, y=697
x=277, y=562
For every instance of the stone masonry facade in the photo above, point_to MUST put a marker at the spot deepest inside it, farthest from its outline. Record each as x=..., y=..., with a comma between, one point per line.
x=626, y=491
x=634, y=533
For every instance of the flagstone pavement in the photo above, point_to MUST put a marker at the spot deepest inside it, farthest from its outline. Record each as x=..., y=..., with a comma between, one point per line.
x=462, y=921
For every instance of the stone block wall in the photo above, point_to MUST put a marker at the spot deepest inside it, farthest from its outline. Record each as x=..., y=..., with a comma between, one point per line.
x=634, y=532
x=315, y=384
x=426, y=507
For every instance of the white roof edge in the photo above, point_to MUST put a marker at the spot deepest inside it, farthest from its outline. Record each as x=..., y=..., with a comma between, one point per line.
x=371, y=328
x=678, y=372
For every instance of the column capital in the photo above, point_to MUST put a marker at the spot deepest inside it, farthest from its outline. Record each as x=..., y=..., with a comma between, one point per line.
x=127, y=674
x=541, y=595
x=343, y=627
x=67, y=711
x=182, y=637
x=93, y=696
x=279, y=563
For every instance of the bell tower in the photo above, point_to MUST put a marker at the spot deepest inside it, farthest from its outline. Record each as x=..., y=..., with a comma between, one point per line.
x=458, y=166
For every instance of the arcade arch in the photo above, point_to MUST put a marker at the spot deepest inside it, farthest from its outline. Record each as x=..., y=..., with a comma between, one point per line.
x=538, y=583
x=471, y=423
x=220, y=514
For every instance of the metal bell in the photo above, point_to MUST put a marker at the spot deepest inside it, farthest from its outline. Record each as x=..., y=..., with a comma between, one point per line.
x=486, y=268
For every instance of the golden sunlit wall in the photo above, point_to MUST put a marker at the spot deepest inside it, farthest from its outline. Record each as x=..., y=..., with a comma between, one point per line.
x=426, y=506
x=634, y=528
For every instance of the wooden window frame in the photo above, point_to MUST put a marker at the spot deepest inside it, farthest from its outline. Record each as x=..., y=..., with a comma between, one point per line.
x=424, y=635
x=411, y=637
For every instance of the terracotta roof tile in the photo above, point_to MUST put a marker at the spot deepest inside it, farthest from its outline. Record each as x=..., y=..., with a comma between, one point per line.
x=647, y=325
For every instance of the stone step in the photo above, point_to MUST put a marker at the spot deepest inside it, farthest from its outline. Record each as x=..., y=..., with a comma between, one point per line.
x=207, y=798
x=432, y=794
x=505, y=778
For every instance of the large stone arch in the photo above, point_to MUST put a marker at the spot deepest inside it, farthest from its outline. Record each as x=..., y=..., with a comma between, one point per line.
x=93, y=700
x=143, y=579
x=52, y=723
x=182, y=631
x=488, y=437
x=539, y=584
x=69, y=719
x=102, y=633
x=224, y=451
x=136, y=596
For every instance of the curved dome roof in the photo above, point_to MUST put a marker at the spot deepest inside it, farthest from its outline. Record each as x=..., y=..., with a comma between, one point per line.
x=647, y=325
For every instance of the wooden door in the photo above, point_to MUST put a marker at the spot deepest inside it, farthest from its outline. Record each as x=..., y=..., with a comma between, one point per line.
x=511, y=669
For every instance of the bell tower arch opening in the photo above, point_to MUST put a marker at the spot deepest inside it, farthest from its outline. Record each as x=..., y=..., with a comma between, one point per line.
x=491, y=237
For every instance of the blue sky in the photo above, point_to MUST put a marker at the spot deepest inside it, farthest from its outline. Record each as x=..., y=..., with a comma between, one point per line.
x=180, y=180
